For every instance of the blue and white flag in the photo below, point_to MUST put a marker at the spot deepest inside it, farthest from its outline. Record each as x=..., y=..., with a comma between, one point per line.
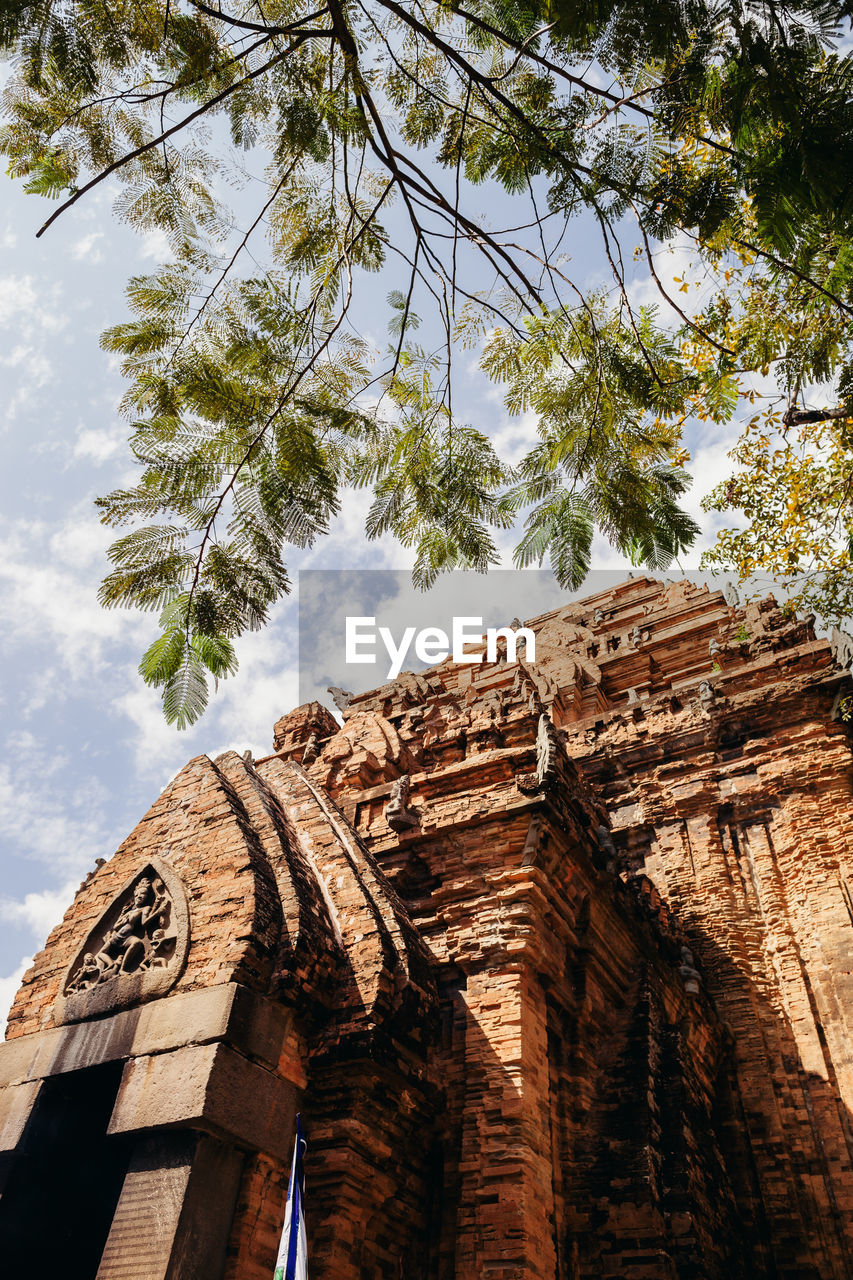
x=292, y=1261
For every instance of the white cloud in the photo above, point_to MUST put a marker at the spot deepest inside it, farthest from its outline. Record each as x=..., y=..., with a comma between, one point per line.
x=84, y=248
x=45, y=687
x=38, y=912
x=99, y=443
x=29, y=306
x=159, y=749
x=45, y=603
x=154, y=246
x=81, y=542
x=514, y=437
x=9, y=989
x=34, y=315
x=17, y=297
x=63, y=828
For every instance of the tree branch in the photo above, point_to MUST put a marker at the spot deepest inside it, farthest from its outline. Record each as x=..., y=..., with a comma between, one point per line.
x=176, y=128
x=245, y=25
x=794, y=417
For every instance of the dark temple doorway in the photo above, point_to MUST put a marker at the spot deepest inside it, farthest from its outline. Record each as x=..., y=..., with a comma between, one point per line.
x=62, y=1190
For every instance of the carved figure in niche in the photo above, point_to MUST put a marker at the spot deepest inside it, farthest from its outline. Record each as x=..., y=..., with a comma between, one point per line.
x=159, y=944
x=398, y=815
x=137, y=941
x=88, y=973
x=312, y=750
x=598, y=617
x=706, y=694
x=714, y=647
x=690, y=975
x=637, y=637
x=730, y=594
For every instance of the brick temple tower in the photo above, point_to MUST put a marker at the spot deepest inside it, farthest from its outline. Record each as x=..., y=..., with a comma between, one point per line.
x=555, y=959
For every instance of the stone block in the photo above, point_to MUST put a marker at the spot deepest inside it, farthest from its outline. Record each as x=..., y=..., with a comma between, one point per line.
x=16, y=1103
x=209, y=1087
x=174, y=1212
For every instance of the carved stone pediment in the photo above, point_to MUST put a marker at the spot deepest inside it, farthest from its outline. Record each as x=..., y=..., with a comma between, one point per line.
x=136, y=950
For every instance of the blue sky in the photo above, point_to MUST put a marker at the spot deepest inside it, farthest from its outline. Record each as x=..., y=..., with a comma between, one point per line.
x=85, y=749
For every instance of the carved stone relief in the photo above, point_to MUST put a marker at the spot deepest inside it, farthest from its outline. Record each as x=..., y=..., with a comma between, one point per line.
x=842, y=648
x=546, y=748
x=706, y=698
x=546, y=758
x=607, y=848
x=135, y=951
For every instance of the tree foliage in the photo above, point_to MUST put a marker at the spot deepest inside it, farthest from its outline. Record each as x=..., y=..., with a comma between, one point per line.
x=361, y=136
x=792, y=488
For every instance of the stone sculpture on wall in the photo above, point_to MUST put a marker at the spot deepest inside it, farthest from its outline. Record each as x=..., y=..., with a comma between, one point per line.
x=135, y=951
x=706, y=697
x=138, y=941
x=397, y=812
x=545, y=748
x=842, y=648
x=690, y=975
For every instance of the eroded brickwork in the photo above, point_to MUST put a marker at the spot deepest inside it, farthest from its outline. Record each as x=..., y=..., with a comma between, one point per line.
x=554, y=957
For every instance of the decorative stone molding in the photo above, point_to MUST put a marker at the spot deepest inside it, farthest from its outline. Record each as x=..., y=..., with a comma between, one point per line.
x=341, y=697
x=546, y=749
x=398, y=815
x=547, y=743
x=136, y=950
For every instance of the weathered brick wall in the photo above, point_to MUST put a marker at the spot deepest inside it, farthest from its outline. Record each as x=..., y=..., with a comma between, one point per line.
x=739, y=810
x=547, y=964
x=507, y=1062
x=740, y=1158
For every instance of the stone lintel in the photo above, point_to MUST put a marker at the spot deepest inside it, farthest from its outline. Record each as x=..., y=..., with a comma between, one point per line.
x=212, y=1088
x=231, y=1013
